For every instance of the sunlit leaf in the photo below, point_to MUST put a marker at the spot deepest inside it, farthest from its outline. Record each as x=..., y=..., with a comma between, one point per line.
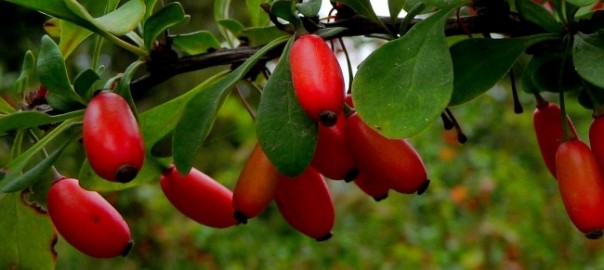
x=479, y=64
x=53, y=74
x=27, y=235
x=406, y=84
x=286, y=134
x=71, y=36
x=200, y=112
x=257, y=14
x=169, y=16
x=233, y=26
x=196, y=42
x=118, y=22
x=588, y=54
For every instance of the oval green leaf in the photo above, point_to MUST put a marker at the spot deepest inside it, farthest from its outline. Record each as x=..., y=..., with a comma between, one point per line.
x=537, y=14
x=406, y=84
x=480, y=63
x=196, y=42
x=53, y=74
x=588, y=56
x=169, y=16
x=286, y=134
x=200, y=112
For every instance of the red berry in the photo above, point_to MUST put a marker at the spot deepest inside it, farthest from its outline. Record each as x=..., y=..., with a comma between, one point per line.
x=317, y=79
x=305, y=203
x=376, y=188
x=199, y=197
x=255, y=186
x=332, y=157
x=547, y=122
x=596, y=140
x=581, y=187
x=112, y=139
x=394, y=161
x=87, y=221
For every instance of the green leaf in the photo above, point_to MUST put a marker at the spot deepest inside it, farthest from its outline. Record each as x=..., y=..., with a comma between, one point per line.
x=5, y=107
x=196, y=42
x=200, y=112
x=150, y=6
x=71, y=36
x=27, y=68
x=283, y=9
x=30, y=119
x=286, y=134
x=53, y=74
x=395, y=7
x=27, y=235
x=54, y=8
x=16, y=166
x=257, y=36
x=84, y=81
x=537, y=14
x=161, y=120
x=257, y=15
x=406, y=84
x=310, y=8
x=221, y=12
x=329, y=33
x=150, y=172
x=588, y=54
x=35, y=173
x=123, y=86
x=363, y=7
x=430, y=5
x=232, y=25
x=543, y=72
x=582, y=3
x=479, y=64
x=169, y=16
x=119, y=22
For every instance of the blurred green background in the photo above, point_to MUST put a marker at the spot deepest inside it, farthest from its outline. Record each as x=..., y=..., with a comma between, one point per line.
x=491, y=204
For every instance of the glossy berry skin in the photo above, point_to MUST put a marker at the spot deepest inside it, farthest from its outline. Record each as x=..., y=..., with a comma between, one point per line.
x=547, y=123
x=372, y=186
x=596, y=140
x=87, y=221
x=112, y=139
x=199, y=197
x=317, y=79
x=255, y=187
x=305, y=203
x=581, y=187
x=332, y=157
x=394, y=161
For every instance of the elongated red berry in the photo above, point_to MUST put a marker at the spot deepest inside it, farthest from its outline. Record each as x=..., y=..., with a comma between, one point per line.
x=199, y=197
x=374, y=187
x=332, y=157
x=87, y=221
x=581, y=187
x=112, y=139
x=394, y=161
x=255, y=186
x=305, y=203
x=547, y=123
x=317, y=79
x=596, y=140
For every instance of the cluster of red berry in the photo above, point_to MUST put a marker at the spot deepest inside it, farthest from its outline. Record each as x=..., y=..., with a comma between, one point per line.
x=577, y=168
x=347, y=149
